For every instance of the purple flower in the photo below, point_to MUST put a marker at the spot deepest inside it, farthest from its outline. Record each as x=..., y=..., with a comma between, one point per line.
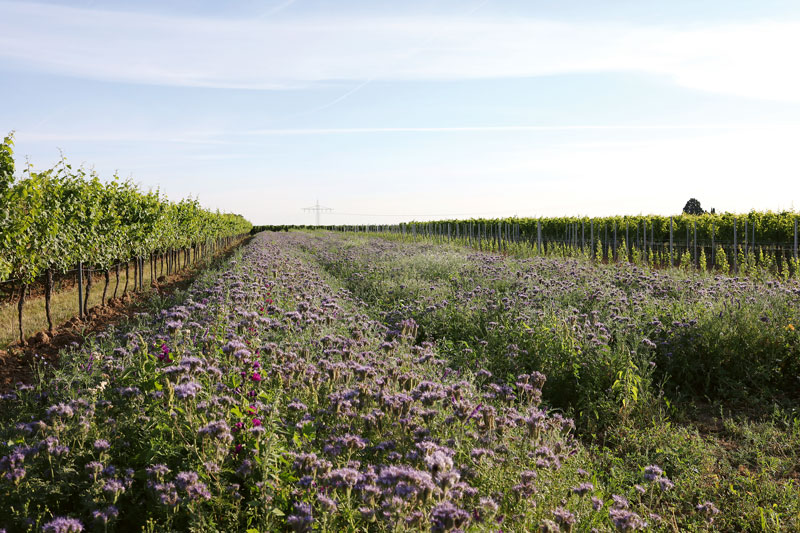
x=439, y=461
x=184, y=479
x=619, y=502
x=708, y=509
x=343, y=477
x=301, y=520
x=218, y=429
x=174, y=325
x=625, y=520
x=61, y=410
x=113, y=488
x=563, y=517
x=167, y=494
x=328, y=504
x=94, y=468
x=188, y=389
x=664, y=483
x=446, y=517
x=106, y=514
x=583, y=488
x=197, y=491
x=63, y=524
x=548, y=526
x=597, y=503
x=652, y=472
x=101, y=445
x=157, y=471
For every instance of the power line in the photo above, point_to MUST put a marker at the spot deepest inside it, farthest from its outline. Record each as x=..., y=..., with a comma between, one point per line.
x=317, y=210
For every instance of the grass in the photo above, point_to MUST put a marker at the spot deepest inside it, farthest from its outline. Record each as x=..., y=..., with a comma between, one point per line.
x=63, y=306
x=64, y=301
x=321, y=336
x=712, y=341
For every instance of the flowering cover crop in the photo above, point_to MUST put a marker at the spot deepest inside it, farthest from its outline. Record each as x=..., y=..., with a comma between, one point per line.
x=265, y=399
x=605, y=336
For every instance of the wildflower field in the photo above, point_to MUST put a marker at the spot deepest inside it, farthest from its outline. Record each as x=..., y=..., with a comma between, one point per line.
x=346, y=382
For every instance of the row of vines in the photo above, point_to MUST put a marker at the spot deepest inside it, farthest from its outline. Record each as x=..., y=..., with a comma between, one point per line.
x=723, y=241
x=65, y=218
x=766, y=227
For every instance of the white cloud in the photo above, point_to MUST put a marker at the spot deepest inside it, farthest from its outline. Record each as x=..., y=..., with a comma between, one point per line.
x=753, y=60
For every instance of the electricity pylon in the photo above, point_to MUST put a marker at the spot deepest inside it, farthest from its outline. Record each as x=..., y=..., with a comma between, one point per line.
x=317, y=210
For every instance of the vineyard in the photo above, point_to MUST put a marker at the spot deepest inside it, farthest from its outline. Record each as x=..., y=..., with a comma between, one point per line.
x=633, y=373
x=757, y=241
x=65, y=220
x=324, y=381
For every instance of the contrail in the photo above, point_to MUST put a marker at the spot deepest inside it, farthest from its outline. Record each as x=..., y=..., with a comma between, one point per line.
x=276, y=9
x=374, y=77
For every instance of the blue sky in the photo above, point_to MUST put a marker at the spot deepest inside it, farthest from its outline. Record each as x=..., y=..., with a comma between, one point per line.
x=393, y=111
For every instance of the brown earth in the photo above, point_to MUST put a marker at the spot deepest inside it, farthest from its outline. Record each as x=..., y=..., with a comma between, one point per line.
x=16, y=362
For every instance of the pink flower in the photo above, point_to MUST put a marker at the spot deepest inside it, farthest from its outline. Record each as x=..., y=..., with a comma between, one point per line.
x=256, y=376
x=256, y=422
x=164, y=356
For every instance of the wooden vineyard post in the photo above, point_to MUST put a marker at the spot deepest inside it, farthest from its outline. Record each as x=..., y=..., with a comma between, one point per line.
x=696, y=259
x=687, y=238
x=614, y=249
x=627, y=242
x=583, y=234
x=591, y=239
x=746, y=252
x=575, y=236
x=605, y=241
x=670, y=242
x=713, y=248
x=644, y=240
x=735, y=249
x=80, y=289
x=499, y=235
x=652, y=237
x=539, y=236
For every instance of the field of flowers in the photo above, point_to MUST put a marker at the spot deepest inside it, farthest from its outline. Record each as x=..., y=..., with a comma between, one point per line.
x=322, y=382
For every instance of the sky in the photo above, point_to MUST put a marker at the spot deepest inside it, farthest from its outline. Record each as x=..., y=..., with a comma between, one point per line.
x=390, y=111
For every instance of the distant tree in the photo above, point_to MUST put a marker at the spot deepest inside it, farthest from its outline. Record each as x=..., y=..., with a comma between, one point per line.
x=692, y=207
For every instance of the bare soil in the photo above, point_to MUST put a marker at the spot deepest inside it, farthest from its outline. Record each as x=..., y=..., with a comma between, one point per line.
x=16, y=362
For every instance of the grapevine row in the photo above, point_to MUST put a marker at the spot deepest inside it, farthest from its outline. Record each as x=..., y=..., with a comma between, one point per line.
x=54, y=220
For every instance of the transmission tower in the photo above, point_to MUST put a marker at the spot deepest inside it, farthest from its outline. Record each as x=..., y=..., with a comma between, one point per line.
x=317, y=210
